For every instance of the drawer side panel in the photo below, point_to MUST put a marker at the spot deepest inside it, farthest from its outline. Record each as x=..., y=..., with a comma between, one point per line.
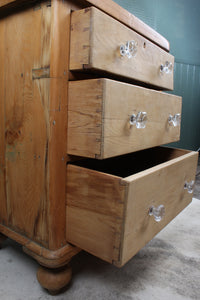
x=80, y=39
x=95, y=209
x=85, y=110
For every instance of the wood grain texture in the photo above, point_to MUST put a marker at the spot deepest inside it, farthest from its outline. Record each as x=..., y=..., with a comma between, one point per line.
x=117, y=12
x=58, y=118
x=99, y=37
x=107, y=215
x=3, y=210
x=33, y=121
x=85, y=112
x=163, y=185
x=59, y=61
x=94, y=211
x=54, y=280
x=25, y=128
x=99, y=112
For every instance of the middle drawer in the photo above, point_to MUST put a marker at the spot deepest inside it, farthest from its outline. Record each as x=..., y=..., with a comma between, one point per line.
x=107, y=118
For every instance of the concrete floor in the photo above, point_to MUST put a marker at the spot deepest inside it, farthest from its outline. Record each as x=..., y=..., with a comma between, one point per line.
x=167, y=268
x=197, y=183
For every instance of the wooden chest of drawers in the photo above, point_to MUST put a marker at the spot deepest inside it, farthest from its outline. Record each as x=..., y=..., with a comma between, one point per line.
x=81, y=122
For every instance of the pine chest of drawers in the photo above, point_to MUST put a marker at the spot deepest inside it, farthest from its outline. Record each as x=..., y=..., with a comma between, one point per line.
x=81, y=124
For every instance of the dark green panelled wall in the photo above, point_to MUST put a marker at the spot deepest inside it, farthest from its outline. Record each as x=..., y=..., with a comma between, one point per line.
x=179, y=22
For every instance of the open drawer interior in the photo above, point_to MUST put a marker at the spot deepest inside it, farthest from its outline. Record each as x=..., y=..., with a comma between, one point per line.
x=127, y=165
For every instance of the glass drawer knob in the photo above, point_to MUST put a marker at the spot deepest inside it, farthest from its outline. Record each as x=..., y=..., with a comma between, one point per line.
x=139, y=120
x=129, y=49
x=157, y=212
x=189, y=186
x=166, y=68
x=174, y=120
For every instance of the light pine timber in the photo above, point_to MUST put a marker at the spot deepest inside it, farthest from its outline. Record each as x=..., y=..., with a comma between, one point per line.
x=95, y=208
x=54, y=280
x=33, y=135
x=57, y=159
x=108, y=215
x=163, y=185
x=95, y=45
x=99, y=111
x=117, y=12
x=3, y=210
x=26, y=125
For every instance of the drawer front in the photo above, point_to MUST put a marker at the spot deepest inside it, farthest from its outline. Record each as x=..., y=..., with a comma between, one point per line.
x=111, y=216
x=104, y=118
x=162, y=186
x=101, y=43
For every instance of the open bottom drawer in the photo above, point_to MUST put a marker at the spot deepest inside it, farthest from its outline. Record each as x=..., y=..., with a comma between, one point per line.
x=111, y=204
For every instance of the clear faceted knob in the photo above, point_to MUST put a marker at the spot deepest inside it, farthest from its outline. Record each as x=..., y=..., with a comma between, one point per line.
x=174, y=120
x=167, y=68
x=139, y=120
x=189, y=186
x=129, y=49
x=157, y=212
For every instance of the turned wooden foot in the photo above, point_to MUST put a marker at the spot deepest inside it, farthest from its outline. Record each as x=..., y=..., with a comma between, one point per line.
x=54, y=280
x=2, y=239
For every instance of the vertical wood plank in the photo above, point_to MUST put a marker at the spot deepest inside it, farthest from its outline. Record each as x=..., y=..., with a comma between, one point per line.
x=59, y=69
x=3, y=210
x=60, y=38
x=26, y=125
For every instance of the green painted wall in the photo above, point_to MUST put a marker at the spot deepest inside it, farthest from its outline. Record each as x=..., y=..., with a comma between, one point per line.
x=179, y=22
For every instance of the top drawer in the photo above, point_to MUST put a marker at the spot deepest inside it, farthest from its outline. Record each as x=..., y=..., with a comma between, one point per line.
x=98, y=42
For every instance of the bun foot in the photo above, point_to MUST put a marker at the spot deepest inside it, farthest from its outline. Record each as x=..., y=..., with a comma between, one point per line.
x=2, y=239
x=54, y=280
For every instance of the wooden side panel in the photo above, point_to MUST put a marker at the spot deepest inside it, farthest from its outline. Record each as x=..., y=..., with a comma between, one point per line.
x=3, y=206
x=164, y=185
x=85, y=112
x=106, y=37
x=123, y=100
x=95, y=207
x=35, y=93
x=26, y=130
